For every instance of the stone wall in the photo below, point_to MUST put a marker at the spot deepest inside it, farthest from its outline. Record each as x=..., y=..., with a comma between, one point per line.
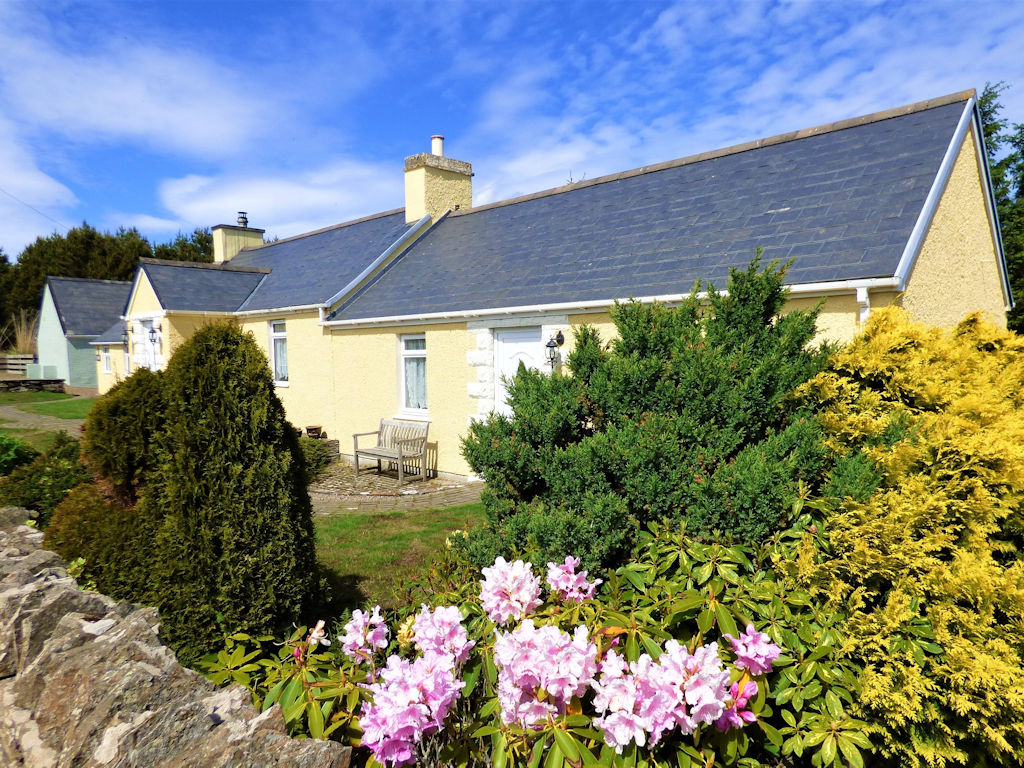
x=31, y=385
x=84, y=681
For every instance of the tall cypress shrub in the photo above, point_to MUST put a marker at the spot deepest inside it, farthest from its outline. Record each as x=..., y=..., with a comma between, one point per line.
x=235, y=546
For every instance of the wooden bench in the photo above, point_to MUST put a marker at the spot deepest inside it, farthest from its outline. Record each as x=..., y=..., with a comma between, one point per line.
x=398, y=442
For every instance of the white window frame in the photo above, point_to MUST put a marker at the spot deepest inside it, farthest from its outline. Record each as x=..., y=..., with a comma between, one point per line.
x=409, y=354
x=274, y=335
x=127, y=360
x=106, y=360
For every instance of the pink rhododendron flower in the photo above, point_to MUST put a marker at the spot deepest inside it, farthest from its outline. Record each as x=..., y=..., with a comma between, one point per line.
x=509, y=591
x=363, y=633
x=532, y=660
x=737, y=715
x=440, y=631
x=645, y=699
x=754, y=651
x=317, y=636
x=410, y=701
x=568, y=584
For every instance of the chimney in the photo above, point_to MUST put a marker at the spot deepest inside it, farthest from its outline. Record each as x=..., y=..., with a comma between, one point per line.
x=436, y=184
x=229, y=239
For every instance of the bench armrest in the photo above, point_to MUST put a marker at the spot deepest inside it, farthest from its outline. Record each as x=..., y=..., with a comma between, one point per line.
x=357, y=435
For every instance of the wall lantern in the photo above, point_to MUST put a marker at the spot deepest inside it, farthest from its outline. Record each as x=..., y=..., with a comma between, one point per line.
x=124, y=339
x=98, y=358
x=153, y=332
x=552, y=349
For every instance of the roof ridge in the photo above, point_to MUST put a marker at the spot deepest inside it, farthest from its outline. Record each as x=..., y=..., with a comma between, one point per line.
x=320, y=231
x=222, y=267
x=89, y=280
x=782, y=138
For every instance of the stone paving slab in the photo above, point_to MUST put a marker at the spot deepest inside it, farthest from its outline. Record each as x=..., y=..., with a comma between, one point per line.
x=340, y=491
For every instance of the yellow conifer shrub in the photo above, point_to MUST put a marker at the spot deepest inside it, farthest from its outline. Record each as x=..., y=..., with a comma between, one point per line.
x=928, y=567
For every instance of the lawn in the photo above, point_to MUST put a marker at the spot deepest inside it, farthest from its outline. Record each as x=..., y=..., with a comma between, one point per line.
x=77, y=408
x=369, y=554
x=11, y=398
x=37, y=438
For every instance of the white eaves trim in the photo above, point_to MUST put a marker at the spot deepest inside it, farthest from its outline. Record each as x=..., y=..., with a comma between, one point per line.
x=598, y=305
x=931, y=202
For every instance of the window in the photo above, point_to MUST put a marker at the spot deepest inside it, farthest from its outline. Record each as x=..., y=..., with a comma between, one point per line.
x=413, y=351
x=127, y=361
x=278, y=352
x=106, y=360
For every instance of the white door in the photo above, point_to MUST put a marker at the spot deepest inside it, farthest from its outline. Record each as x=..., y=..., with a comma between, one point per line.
x=511, y=347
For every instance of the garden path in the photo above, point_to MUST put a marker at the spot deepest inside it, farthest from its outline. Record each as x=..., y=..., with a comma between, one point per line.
x=14, y=417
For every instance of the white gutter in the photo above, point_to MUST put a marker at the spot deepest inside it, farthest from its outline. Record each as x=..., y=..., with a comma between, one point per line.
x=277, y=310
x=931, y=202
x=583, y=307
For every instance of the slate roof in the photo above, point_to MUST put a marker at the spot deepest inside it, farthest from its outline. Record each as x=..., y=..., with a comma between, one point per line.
x=190, y=286
x=841, y=202
x=111, y=336
x=87, y=307
x=312, y=268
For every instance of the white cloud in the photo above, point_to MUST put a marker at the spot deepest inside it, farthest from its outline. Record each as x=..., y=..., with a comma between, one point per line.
x=31, y=201
x=165, y=98
x=282, y=204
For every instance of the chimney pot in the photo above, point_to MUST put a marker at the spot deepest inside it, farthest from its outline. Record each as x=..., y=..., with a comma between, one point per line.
x=437, y=145
x=243, y=220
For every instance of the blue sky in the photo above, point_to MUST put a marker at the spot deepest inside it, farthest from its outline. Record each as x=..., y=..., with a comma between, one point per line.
x=168, y=116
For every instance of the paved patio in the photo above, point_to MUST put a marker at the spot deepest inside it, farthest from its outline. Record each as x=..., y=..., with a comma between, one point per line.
x=340, y=491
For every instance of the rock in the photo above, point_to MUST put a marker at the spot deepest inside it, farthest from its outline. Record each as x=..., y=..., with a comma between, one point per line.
x=85, y=681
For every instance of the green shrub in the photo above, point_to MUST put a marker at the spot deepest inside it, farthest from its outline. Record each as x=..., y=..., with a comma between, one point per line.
x=44, y=482
x=686, y=415
x=96, y=527
x=14, y=453
x=317, y=456
x=121, y=430
x=235, y=543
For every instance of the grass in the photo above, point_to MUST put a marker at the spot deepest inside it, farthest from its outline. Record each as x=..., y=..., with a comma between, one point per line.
x=77, y=408
x=13, y=398
x=37, y=438
x=369, y=554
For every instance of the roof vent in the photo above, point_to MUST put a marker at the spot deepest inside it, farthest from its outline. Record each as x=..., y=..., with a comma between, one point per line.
x=243, y=220
x=437, y=145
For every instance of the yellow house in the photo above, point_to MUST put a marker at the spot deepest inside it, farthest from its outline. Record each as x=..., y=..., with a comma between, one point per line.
x=418, y=313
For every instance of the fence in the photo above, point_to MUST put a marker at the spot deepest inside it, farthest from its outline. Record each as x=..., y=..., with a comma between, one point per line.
x=15, y=363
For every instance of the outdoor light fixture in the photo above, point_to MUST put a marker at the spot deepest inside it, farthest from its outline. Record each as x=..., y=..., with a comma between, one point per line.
x=98, y=358
x=552, y=349
x=124, y=339
x=153, y=332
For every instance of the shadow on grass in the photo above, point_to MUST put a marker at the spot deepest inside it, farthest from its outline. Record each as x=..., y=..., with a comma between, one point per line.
x=341, y=592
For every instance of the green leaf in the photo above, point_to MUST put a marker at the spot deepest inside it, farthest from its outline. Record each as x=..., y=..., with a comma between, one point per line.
x=485, y=730
x=554, y=758
x=688, y=603
x=725, y=621
x=834, y=706
x=771, y=732
x=850, y=752
x=567, y=744
x=828, y=750
x=705, y=620
x=315, y=720
x=498, y=755
x=538, y=753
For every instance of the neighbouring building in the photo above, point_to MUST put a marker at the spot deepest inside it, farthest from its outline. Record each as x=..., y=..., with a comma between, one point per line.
x=419, y=312
x=73, y=313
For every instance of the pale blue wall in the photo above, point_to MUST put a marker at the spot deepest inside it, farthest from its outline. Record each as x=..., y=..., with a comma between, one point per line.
x=82, y=362
x=74, y=359
x=51, y=346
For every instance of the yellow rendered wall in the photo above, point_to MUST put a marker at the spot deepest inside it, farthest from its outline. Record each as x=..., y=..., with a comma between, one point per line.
x=144, y=300
x=839, y=318
x=104, y=381
x=957, y=270
x=228, y=241
x=434, y=191
x=366, y=385
x=309, y=397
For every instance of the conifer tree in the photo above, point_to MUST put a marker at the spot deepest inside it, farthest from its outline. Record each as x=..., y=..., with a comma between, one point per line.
x=234, y=548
